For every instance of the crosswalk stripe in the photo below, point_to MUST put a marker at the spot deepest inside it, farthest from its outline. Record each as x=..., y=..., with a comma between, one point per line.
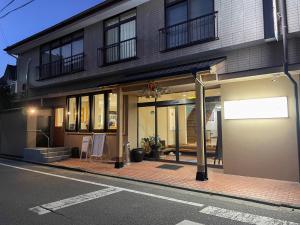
x=244, y=217
x=187, y=222
x=53, y=206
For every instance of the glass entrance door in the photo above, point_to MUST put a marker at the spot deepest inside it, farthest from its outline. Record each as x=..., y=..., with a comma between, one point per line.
x=167, y=132
x=176, y=131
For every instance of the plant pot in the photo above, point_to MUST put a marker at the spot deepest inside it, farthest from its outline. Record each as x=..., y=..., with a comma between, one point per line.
x=137, y=155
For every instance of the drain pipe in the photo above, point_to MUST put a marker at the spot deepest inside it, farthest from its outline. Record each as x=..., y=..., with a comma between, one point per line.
x=284, y=27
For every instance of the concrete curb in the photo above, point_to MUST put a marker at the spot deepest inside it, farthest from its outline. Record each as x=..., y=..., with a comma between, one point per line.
x=254, y=200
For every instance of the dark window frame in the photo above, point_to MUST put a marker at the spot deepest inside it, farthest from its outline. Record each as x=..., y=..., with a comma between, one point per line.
x=67, y=115
x=91, y=111
x=105, y=29
x=60, y=42
x=175, y=2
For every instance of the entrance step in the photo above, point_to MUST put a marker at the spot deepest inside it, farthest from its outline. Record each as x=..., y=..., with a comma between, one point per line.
x=55, y=158
x=46, y=154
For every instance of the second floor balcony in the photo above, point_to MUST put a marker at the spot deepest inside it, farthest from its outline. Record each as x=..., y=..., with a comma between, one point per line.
x=194, y=31
x=60, y=67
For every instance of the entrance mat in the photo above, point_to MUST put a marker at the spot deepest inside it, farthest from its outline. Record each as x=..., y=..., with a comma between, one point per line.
x=169, y=167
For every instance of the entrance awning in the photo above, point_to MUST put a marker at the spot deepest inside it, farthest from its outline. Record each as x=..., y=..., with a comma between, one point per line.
x=180, y=69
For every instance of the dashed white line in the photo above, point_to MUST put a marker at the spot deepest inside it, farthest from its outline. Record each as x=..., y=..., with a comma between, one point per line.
x=244, y=217
x=187, y=222
x=53, y=206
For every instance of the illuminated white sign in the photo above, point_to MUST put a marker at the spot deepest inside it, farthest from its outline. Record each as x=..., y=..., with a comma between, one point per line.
x=262, y=108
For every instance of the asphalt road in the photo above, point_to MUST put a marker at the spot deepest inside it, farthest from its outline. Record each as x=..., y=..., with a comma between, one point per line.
x=32, y=194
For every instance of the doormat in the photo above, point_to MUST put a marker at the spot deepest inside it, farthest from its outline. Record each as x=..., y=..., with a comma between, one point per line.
x=169, y=167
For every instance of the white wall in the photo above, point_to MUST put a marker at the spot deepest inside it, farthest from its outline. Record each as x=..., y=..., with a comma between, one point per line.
x=261, y=147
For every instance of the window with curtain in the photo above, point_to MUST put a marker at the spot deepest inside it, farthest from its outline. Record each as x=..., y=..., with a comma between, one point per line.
x=188, y=21
x=84, y=113
x=71, y=114
x=59, y=117
x=120, y=37
x=92, y=112
x=112, y=111
x=98, y=112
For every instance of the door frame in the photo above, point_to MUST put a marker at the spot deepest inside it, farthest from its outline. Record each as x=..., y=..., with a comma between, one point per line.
x=170, y=103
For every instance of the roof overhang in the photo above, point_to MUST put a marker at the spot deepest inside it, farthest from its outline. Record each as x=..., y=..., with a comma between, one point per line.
x=88, y=17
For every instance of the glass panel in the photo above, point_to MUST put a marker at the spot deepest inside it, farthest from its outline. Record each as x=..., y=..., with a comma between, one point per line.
x=146, y=127
x=128, y=15
x=45, y=67
x=127, y=30
x=204, y=27
x=176, y=13
x=66, y=52
x=200, y=8
x=99, y=115
x=59, y=117
x=177, y=96
x=111, y=21
x=55, y=61
x=112, y=111
x=55, y=54
x=128, y=48
x=187, y=128
x=112, y=50
x=77, y=60
x=77, y=47
x=45, y=57
x=84, y=113
x=176, y=35
x=214, y=154
x=72, y=113
x=112, y=36
x=166, y=131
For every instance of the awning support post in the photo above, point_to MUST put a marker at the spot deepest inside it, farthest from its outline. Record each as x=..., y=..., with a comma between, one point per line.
x=201, y=156
x=119, y=160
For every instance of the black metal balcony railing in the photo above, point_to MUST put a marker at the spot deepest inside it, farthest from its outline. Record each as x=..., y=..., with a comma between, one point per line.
x=194, y=31
x=63, y=66
x=118, y=52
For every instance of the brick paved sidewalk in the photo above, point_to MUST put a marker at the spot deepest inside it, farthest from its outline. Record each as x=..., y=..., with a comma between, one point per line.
x=266, y=190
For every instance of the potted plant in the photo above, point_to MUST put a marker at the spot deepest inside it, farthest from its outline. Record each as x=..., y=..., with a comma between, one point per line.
x=151, y=146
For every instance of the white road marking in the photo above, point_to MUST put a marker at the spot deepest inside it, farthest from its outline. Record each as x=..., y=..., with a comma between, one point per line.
x=244, y=217
x=210, y=210
x=50, y=207
x=109, y=186
x=187, y=222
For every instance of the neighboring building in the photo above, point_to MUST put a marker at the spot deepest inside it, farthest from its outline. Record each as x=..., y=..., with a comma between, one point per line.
x=100, y=70
x=9, y=79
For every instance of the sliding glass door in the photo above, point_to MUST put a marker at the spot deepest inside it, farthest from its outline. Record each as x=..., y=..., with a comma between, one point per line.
x=167, y=132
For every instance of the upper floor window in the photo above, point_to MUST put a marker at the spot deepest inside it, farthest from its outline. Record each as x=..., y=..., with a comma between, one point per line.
x=62, y=56
x=120, y=37
x=188, y=21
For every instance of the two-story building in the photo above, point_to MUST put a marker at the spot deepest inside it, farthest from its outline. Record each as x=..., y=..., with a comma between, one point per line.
x=202, y=78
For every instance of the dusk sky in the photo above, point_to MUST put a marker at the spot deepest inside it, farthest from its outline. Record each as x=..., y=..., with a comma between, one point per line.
x=35, y=17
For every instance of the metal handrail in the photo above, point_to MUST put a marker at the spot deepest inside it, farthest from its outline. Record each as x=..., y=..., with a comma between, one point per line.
x=197, y=30
x=60, y=66
x=43, y=133
x=102, y=52
x=188, y=21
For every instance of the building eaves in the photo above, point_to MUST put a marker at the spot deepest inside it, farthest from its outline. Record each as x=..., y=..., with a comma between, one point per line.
x=90, y=11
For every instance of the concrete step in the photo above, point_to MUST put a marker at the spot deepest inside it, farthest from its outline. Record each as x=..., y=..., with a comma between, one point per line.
x=46, y=154
x=48, y=150
x=57, y=153
x=55, y=158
